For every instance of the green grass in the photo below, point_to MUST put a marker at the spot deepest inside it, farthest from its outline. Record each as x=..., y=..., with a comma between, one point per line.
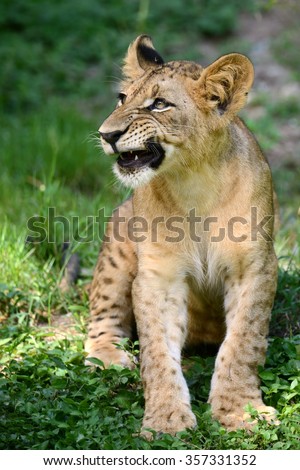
x=49, y=400
x=59, y=65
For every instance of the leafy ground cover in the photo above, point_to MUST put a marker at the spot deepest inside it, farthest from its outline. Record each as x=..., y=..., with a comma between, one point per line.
x=59, y=64
x=51, y=401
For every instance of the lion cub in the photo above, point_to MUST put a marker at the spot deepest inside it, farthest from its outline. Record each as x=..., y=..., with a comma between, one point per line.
x=189, y=258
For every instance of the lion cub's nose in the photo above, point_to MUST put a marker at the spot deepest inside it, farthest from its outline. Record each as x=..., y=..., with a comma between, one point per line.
x=111, y=137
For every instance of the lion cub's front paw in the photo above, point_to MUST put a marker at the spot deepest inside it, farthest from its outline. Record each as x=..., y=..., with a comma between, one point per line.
x=109, y=355
x=169, y=420
x=266, y=413
x=242, y=419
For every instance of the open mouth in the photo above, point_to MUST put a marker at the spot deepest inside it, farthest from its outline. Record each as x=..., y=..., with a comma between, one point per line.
x=152, y=157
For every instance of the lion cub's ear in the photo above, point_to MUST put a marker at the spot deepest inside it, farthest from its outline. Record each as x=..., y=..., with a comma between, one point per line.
x=226, y=82
x=140, y=57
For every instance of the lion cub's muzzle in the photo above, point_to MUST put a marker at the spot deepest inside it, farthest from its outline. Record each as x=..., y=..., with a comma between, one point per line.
x=113, y=137
x=151, y=156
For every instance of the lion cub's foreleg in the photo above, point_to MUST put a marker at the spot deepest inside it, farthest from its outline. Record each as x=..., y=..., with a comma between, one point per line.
x=249, y=294
x=111, y=309
x=161, y=315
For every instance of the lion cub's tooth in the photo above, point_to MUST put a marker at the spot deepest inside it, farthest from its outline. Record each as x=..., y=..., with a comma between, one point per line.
x=136, y=157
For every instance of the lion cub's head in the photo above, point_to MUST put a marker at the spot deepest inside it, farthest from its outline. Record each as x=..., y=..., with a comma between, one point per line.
x=168, y=113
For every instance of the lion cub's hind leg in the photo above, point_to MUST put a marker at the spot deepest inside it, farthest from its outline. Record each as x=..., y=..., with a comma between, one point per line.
x=110, y=299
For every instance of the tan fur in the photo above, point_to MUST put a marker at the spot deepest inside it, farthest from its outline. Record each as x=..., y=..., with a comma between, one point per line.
x=219, y=290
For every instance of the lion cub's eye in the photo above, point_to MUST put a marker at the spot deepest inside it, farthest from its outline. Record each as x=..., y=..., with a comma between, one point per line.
x=121, y=99
x=159, y=104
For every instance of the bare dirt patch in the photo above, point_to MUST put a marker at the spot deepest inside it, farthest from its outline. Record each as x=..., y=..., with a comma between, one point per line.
x=272, y=79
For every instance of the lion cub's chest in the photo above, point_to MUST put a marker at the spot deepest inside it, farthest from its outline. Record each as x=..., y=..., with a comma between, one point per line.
x=204, y=272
